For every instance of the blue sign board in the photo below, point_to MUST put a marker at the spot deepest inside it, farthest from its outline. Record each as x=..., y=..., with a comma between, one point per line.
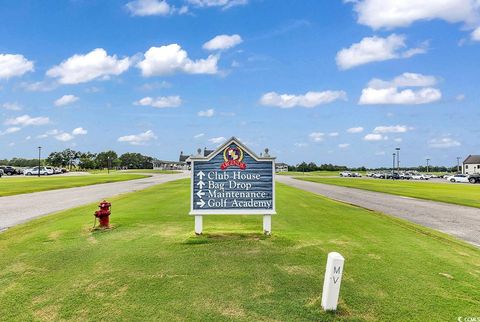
x=233, y=180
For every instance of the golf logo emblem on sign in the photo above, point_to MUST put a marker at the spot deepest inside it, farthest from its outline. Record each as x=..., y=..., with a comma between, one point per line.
x=233, y=156
x=232, y=180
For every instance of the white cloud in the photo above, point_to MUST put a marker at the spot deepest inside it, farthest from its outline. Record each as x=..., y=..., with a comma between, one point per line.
x=317, y=136
x=83, y=68
x=460, y=97
x=64, y=137
x=170, y=59
x=160, y=102
x=199, y=135
x=392, y=129
x=309, y=100
x=11, y=106
x=443, y=143
x=79, y=131
x=207, y=113
x=66, y=100
x=393, y=96
x=300, y=144
x=374, y=137
x=343, y=145
x=398, y=140
x=12, y=65
x=10, y=130
x=225, y=4
x=404, y=80
x=217, y=140
x=393, y=13
x=476, y=34
x=222, y=42
x=42, y=86
x=357, y=129
x=26, y=120
x=333, y=134
x=138, y=139
x=373, y=49
x=149, y=8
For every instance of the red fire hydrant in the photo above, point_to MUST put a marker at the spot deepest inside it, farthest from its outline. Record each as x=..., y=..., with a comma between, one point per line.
x=103, y=214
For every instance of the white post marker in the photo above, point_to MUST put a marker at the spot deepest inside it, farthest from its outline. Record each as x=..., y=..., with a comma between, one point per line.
x=267, y=224
x=332, y=281
x=198, y=225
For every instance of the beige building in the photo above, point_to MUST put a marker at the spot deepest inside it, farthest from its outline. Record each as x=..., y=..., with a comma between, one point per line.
x=471, y=164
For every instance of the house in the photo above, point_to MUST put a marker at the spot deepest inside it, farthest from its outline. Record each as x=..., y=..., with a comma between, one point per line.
x=281, y=167
x=471, y=164
x=183, y=162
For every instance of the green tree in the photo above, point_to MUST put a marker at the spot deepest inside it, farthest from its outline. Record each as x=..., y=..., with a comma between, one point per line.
x=107, y=159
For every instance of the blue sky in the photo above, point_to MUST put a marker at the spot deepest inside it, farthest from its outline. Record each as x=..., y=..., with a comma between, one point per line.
x=341, y=82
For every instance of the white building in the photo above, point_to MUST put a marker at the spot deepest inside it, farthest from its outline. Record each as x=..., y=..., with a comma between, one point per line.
x=281, y=167
x=471, y=164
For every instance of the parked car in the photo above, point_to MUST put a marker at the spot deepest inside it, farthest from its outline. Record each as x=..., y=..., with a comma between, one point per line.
x=8, y=170
x=458, y=178
x=345, y=174
x=50, y=170
x=474, y=178
x=356, y=175
x=419, y=176
x=57, y=170
x=1, y=173
x=35, y=171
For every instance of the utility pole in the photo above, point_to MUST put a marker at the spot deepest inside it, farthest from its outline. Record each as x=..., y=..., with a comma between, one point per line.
x=39, y=155
x=398, y=159
x=458, y=164
x=428, y=160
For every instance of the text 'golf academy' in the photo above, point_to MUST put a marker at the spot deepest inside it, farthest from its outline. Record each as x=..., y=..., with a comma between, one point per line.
x=233, y=181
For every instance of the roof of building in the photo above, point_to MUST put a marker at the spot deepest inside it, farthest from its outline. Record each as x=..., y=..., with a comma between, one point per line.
x=207, y=152
x=280, y=164
x=472, y=159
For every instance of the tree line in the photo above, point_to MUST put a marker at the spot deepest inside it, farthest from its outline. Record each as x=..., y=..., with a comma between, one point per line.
x=310, y=167
x=71, y=159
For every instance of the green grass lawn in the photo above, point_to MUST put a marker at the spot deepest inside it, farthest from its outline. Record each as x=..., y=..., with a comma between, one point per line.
x=459, y=194
x=151, y=171
x=18, y=185
x=151, y=267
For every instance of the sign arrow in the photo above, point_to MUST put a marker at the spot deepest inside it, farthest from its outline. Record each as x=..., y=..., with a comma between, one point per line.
x=201, y=184
x=200, y=193
x=201, y=203
x=201, y=174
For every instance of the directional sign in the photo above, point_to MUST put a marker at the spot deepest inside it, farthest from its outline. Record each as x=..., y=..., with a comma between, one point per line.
x=233, y=180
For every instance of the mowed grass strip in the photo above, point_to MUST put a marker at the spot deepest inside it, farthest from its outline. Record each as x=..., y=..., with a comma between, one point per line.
x=459, y=194
x=19, y=185
x=151, y=266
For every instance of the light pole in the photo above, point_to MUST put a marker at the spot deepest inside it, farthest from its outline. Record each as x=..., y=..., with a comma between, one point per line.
x=393, y=165
x=398, y=159
x=428, y=160
x=458, y=164
x=39, y=155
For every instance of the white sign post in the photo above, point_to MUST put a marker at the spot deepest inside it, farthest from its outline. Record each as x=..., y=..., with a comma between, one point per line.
x=332, y=281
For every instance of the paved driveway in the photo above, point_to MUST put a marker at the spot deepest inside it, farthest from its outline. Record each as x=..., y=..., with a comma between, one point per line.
x=21, y=208
x=459, y=221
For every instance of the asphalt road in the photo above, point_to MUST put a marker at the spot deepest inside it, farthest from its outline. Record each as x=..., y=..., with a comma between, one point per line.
x=459, y=221
x=21, y=208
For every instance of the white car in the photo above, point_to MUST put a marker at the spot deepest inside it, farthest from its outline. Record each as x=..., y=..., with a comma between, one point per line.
x=345, y=174
x=35, y=171
x=419, y=176
x=458, y=178
x=50, y=170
